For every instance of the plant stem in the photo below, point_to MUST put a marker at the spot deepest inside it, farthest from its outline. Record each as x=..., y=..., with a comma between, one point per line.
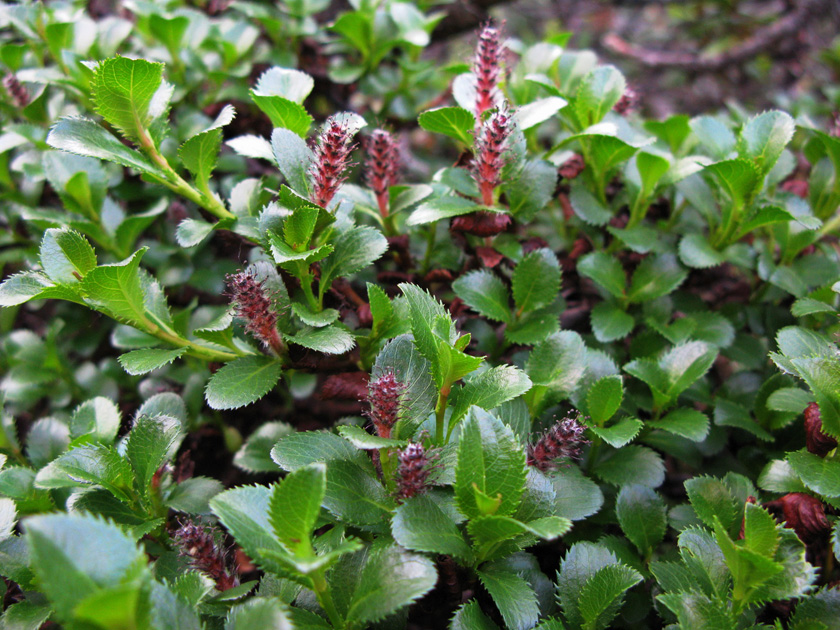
x=322, y=592
x=440, y=414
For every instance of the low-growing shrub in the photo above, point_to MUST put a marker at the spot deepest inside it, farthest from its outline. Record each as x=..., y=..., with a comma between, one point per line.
x=534, y=361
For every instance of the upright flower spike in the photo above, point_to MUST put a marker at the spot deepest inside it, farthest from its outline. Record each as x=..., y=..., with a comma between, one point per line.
x=487, y=68
x=16, y=91
x=385, y=398
x=254, y=305
x=562, y=441
x=331, y=161
x=491, y=144
x=205, y=553
x=382, y=166
x=413, y=471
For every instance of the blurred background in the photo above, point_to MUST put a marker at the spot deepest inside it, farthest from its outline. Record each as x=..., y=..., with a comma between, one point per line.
x=689, y=56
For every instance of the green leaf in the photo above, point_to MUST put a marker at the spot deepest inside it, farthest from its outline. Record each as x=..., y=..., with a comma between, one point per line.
x=632, y=464
x=199, y=154
x=654, y=277
x=441, y=208
x=491, y=461
x=455, y=122
x=242, y=381
x=98, y=417
x=293, y=85
x=696, y=252
x=604, y=398
x=293, y=158
x=87, y=465
x=116, y=290
x=329, y=340
x=513, y=596
x=605, y=270
x=711, y=500
x=470, y=617
x=123, y=90
x=300, y=449
x=489, y=389
x=410, y=576
x=597, y=94
x=255, y=454
x=685, y=422
x=421, y=525
x=66, y=255
x=536, y=280
x=29, y=285
x=295, y=506
x=714, y=135
x=144, y=361
x=738, y=177
x=588, y=207
x=193, y=495
x=576, y=496
x=363, y=440
x=355, y=249
x=62, y=547
x=764, y=138
x=284, y=113
x=602, y=595
x=558, y=363
x=531, y=190
x=261, y=612
x=609, y=322
x=642, y=516
x=619, y=433
x=244, y=513
x=819, y=474
x=152, y=442
x=540, y=110
x=686, y=363
x=86, y=137
x=485, y=293
x=356, y=496
x=582, y=562
x=25, y=615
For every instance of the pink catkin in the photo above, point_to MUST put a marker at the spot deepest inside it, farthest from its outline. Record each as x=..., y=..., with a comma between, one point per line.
x=198, y=543
x=487, y=68
x=382, y=166
x=413, y=471
x=254, y=305
x=490, y=148
x=562, y=441
x=331, y=161
x=18, y=93
x=385, y=398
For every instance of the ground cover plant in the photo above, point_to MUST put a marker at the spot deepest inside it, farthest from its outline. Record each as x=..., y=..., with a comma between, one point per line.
x=310, y=325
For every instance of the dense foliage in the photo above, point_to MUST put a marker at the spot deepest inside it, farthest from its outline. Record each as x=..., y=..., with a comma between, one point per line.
x=489, y=350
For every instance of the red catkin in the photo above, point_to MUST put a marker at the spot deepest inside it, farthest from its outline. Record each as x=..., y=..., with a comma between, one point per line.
x=199, y=544
x=487, y=68
x=816, y=441
x=18, y=93
x=562, y=441
x=254, y=305
x=385, y=398
x=491, y=144
x=331, y=159
x=412, y=471
x=382, y=167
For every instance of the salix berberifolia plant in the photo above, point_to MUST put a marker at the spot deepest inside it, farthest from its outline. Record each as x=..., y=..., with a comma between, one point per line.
x=557, y=316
